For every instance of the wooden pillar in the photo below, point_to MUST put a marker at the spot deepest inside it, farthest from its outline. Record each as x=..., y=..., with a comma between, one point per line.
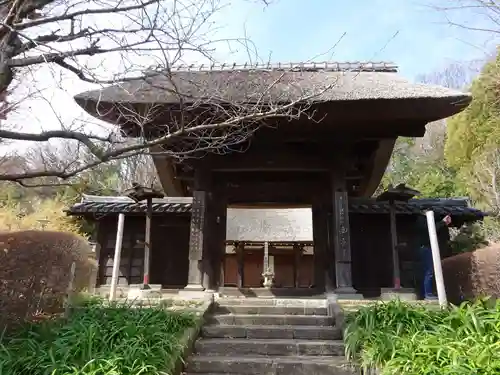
x=341, y=236
x=320, y=252
x=196, y=241
x=240, y=257
x=201, y=241
x=297, y=249
x=210, y=248
x=96, y=250
x=222, y=276
x=394, y=244
x=219, y=203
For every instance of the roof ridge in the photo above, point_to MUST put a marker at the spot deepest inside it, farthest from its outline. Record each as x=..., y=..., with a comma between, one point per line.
x=311, y=66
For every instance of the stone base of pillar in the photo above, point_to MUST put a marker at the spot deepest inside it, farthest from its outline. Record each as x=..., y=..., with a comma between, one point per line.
x=194, y=288
x=139, y=293
x=195, y=291
x=404, y=294
x=347, y=292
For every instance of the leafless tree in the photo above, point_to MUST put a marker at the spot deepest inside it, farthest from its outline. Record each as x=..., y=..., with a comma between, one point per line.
x=486, y=172
x=487, y=11
x=456, y=75
x=115, y=176
x=105, y=42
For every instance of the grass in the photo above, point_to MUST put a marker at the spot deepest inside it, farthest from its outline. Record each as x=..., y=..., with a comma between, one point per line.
x=98, y=340
x=400, y=338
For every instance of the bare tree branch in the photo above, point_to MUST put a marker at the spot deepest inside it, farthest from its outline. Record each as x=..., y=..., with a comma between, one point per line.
x=105, y=42
x=487, y=9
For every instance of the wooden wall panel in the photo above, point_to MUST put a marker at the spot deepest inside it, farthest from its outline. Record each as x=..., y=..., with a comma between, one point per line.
x=231, y=270
x=169, y=251
x=252, y=270
x=283, y=270
x=306, y=271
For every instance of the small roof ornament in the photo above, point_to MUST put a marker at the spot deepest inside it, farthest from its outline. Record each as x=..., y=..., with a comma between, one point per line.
x=400, y=193
x=141, y=193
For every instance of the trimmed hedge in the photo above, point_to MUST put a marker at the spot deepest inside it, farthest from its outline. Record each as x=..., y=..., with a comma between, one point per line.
x=471, y=275
x=35, y=271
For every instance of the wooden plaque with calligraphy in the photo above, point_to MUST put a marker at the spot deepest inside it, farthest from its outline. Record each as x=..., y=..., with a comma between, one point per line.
x=342, y=236
x=196, y=237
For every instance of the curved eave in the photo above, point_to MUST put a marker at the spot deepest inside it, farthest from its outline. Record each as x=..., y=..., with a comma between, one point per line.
x=422, y=109
x=380, y=160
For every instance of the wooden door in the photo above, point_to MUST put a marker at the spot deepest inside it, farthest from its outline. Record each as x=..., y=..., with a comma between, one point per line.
x=253, y=268
x=231, y=270
x=283, y=270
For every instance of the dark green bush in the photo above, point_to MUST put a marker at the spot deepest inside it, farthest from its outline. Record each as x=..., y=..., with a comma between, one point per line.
x=97, y=340
x=399, y=338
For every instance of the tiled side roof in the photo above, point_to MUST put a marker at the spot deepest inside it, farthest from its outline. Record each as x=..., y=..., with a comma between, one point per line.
x=115, y=205
x=94, y=204
x=133, y=208
x=290, y=225
x=454, y=207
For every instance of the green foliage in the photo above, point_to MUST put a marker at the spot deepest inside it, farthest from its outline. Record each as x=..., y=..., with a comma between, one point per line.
x=98, y=340
x=400, y=338
x=467, y=238
x=477, y=127
x=425, y=174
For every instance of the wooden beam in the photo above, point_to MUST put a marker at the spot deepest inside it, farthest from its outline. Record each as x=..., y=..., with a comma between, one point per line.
x=261, y=192
x=378, y=167
x=166, y=173
x=278, y=158
x=347, y=132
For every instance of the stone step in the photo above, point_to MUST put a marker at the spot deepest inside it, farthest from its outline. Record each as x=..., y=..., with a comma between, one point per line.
x=271, y=310
x=266, y=319
x=290, y=302
x=272, y=332
x=297, y=365
x=269, y=347
x=271, y=293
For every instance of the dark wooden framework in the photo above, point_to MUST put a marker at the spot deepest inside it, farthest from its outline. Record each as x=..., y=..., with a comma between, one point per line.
x=365, y=221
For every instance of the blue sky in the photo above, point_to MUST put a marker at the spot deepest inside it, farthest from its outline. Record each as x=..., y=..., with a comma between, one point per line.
x=298, y=30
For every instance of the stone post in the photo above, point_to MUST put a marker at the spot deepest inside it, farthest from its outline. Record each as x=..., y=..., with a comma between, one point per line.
x=267, y=274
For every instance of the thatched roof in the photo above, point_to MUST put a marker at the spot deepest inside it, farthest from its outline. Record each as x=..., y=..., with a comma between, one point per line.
x=277, y=83
x=284, y=225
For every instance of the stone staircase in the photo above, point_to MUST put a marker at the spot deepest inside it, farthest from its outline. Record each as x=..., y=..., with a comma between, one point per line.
x=269, y=336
